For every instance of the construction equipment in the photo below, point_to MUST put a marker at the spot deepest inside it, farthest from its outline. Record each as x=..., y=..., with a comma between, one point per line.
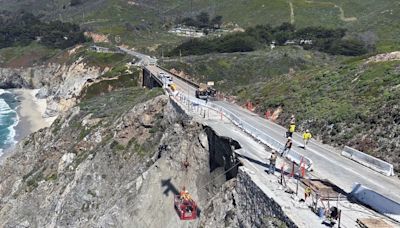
x=185, y=206
x=173, y=87
x=204, y=92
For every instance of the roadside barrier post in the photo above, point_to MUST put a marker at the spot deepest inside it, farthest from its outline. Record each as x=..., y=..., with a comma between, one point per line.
x=292, y=173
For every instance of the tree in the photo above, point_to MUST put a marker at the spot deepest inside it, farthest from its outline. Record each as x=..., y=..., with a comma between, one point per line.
x=216, y=22
x=287, y=27
x=350, y=47
x=203, y=19
x=75, y=2
x=188, y=21
x=282, y=36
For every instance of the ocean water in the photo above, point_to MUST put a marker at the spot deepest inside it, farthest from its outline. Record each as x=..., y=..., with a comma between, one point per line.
x=8, y=119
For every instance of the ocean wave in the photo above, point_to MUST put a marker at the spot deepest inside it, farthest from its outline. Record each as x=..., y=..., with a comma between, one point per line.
x=8, y=119
x=11, y=136
x=2, y=91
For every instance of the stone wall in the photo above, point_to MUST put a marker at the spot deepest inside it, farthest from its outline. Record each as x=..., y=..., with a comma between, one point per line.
x=256, y=208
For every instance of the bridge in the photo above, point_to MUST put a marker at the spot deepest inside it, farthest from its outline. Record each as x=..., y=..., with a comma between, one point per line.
x=254, y=132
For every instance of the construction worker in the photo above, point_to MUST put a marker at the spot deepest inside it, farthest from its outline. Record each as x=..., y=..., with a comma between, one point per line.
x=287, y=147
x=184, y=195
x=307, y=193
x=292, y=128
x=306, y=137
x=292, y=119
x=272, y=162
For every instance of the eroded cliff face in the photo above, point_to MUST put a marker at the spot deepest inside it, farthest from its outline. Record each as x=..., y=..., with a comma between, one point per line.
x=100, y=164
x=60, y=84
x=98, y=168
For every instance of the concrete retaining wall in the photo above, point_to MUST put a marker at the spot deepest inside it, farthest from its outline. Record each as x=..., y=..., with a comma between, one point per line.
x=376, y=201
x=255, y=206
x=369, y=161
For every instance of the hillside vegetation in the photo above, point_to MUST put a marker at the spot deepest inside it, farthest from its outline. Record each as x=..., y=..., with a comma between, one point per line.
x=319, y=38
x=20, y=29
x=143, y=23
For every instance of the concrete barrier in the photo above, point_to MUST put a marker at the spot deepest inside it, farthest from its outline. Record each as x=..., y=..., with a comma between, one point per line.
x=376, y=201
x=369, y=161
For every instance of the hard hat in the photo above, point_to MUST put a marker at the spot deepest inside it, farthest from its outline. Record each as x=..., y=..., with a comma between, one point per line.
x=290, y=138
x=307, y=130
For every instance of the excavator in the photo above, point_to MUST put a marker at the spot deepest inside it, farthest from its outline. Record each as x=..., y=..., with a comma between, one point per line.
x=204, y=92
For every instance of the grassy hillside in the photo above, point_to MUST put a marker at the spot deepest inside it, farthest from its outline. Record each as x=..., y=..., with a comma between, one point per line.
x=144, y=22
x=26, y=56
x=233, y=71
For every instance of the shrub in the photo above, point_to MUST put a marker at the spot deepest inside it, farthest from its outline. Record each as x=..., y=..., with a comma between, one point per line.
x=75, y=2
x=323, y=39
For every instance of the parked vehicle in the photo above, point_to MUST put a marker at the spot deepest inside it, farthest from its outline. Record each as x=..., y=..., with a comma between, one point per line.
x=204, y=92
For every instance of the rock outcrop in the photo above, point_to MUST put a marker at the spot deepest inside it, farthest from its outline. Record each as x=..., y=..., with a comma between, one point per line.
x=60, y=84
x=98, y=169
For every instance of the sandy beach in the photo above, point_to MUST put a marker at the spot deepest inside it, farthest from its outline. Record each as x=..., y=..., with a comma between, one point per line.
x=30, y=113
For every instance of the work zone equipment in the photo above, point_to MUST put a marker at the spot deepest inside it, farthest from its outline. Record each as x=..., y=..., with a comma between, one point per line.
x=173, y=87
x=204, y=92
x=184, y=204
x=185, y=207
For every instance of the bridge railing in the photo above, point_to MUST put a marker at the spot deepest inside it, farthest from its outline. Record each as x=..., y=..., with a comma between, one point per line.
x=180, y=77
x=254, y=132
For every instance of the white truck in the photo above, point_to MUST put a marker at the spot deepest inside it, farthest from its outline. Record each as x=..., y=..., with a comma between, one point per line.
x=168, y=79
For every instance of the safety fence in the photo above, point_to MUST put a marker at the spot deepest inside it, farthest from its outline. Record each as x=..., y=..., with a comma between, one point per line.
x=260, y=136
x=369, y=161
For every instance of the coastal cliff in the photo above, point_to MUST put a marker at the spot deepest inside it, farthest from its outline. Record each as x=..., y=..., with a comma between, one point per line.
x=97, y=167
x=60, y=84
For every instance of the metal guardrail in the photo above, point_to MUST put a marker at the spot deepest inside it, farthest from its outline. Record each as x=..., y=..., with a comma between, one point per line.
x=254, y=132
x=260, y=136
x=181, y=78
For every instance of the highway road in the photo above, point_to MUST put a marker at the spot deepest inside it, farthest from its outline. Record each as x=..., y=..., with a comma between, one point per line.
x=328, y=163
x=143, y=59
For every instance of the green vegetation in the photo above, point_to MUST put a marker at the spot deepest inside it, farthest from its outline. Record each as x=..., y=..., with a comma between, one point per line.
x=103, y=59
x=202, y=21
x=34, y=53
x=22, y=28
x=52, y=177
x=106, y=86
x=144, y=24
x=117, y=101
x=322, y=39
x=33, y=178
x=352, y=104
x=230, y=72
